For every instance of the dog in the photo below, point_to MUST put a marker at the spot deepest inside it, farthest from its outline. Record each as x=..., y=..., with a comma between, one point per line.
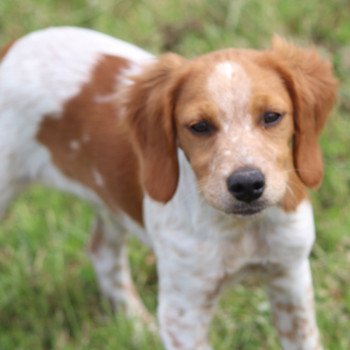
x=207, y=160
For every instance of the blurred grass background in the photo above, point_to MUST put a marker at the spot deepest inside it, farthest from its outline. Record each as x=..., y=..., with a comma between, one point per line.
x=48, y=293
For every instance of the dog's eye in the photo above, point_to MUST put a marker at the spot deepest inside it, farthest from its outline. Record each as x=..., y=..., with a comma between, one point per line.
x=201, y=128
x=271, y=118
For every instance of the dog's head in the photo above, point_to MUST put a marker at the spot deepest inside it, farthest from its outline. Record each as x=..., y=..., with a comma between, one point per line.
x=248, y=122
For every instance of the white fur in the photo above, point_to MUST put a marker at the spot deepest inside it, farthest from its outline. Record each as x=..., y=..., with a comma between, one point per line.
x=229, y=86
x=74, y=145
x=199, y=249
x=98, y=177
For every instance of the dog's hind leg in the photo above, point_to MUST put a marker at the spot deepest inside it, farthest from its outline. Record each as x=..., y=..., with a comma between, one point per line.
x=108, y=253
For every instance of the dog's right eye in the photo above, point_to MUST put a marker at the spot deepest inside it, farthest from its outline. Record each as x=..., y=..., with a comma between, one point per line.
x=271, y=118
x=201, y=128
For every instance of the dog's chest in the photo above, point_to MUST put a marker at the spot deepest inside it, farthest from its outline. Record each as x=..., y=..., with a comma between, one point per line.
x=244, y=249
x=216, y=246
x=248, y=253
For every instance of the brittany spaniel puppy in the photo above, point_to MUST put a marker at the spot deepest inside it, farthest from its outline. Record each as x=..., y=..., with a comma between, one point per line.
x=207, y=160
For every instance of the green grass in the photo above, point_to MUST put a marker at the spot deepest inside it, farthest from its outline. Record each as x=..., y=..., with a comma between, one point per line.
x=49, y=298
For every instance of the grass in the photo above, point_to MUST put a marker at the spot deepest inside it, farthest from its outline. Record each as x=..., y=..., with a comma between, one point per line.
x=48, y=293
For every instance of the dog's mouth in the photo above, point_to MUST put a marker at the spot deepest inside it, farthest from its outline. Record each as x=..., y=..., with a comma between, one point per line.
x=246, y=209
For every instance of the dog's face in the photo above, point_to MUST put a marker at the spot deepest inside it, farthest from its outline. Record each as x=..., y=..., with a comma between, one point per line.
x=234, y=121
x=247, y=121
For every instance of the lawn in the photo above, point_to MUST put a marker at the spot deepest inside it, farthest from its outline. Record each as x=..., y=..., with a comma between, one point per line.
x=49, y=297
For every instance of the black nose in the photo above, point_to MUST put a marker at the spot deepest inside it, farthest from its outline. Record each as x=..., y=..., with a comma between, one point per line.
x=246, y=184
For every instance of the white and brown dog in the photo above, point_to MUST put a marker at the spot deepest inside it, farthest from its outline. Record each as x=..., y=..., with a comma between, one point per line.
x=208, y=160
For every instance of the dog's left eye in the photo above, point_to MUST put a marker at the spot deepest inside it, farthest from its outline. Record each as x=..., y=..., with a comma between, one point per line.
x=271, y=118
x=201, y=128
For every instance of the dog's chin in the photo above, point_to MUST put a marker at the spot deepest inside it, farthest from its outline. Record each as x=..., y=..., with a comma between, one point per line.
x=247, y=209
x=233, y=207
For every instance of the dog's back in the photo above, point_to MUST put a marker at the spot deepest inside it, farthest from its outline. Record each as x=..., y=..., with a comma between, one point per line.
x=57, y=115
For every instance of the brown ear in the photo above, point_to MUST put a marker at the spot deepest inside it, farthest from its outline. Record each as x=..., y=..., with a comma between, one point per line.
x=149, y=106
x=313, y=89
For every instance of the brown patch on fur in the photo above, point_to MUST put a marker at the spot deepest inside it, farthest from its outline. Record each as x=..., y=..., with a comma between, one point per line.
x=300, y=329
x=216, y=287
x=102, y=157
x=194, y=104
x=296, y=193
x=150, y=119
x=174, y=340
x=313, y=89
x=5, y=49
x=288, y=308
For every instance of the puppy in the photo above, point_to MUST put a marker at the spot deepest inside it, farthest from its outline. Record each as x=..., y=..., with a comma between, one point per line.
x=207, y=160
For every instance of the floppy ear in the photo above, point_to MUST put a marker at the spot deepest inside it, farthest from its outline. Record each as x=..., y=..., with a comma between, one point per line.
x=313, y=89
x=149, y=106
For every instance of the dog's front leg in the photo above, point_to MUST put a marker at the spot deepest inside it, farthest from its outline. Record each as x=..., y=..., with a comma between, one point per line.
x=291, y=297
x=188, y=290
x=185, y=311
